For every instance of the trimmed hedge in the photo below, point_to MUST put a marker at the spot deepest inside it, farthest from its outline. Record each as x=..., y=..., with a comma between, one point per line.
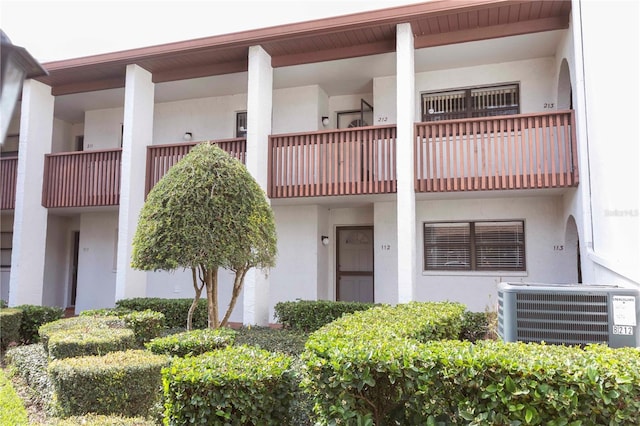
x=33, y=317
x=10, y=319
x=310, y=315
x=12, y=411
x=175, y=310
x=86, y=324
x=395, y=375
x=290, y=342
x=232, y=386
x=146, y=325
x=363, y=367
x=122, y=383
x=194, y=342
x=80, y=342
x=30, y=363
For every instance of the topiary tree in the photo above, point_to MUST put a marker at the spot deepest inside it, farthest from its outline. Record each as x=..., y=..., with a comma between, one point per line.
x=206, y=213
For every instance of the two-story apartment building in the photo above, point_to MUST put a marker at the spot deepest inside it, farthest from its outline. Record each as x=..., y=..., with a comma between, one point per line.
x=422, y=152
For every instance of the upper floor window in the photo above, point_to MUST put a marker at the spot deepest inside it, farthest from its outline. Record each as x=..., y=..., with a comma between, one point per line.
x=474, y=102
x=474, y=246
x=241, y=124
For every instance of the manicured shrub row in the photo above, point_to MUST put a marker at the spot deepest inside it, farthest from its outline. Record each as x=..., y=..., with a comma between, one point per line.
x=290, y=342
x=310, y=315
x=12, y=411
x=10, y=320
x=194, y=342
x=146, y=325
x=33, y=317
x=123, y=383
x=174, y=310
x=475, y=326
x=364, y=367
x=232, y=386
x=30, y=363
x=78, y=336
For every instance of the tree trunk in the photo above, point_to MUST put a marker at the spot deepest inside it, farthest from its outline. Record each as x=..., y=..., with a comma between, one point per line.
x=238, y=281
x=198, y=288
x=212, y=296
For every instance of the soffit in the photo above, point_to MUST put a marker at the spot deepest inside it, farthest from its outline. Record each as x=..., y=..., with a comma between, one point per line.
x=433, y=23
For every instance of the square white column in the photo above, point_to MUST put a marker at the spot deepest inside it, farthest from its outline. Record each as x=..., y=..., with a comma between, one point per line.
x=406, y=207
x=137, y=134
x=30, y=218
x=259, y=108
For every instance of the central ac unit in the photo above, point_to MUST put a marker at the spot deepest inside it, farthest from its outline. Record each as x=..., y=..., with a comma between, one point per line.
x=570, y=314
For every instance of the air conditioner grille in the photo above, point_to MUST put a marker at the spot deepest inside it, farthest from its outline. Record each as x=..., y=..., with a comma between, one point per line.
x=562, y=318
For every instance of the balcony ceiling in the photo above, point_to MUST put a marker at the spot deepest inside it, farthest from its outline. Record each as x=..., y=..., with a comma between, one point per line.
x=434, y=23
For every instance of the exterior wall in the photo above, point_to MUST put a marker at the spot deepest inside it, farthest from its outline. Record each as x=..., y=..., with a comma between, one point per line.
x=612, y=177
x=384, y=104
x=62, y=139
x=57, y=261
x=206, y=118
x=347, y=103
x=296, y=109
x=544, y=232
x=385, y=252
x=103, y=129
x=96, y=261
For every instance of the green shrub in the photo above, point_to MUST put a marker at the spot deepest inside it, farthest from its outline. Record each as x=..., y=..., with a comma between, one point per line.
x=33, y=317
x=146, y=325
x=174, y=310
x=232, y=386
x=85, y=324
x=194, y=342
x=76, y=342
x=105, y=312
x=475, y=326
x=12, y=411
x=290, y=342
x=123, y=383
x=10, y=319
x=30, y=363
x=363, y=367
x=310, y=315
x=98, y=420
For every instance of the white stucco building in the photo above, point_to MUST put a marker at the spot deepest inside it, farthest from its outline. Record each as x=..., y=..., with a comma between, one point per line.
x=423, y=152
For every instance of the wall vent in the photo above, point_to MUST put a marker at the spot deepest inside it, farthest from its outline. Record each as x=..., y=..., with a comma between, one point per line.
x=569, y=314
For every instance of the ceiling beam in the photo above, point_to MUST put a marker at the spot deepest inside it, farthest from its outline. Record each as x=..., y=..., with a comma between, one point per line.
x=384, y=46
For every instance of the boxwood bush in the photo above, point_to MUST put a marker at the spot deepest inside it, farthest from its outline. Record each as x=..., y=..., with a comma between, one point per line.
x=310, y=315
x=174, y=310
x=85, y=324
x=290, y=342
x=123, y=383
x=238, y=385
x=33, y=317
x=79, y=342
x=146, y=325
x=194, y=342
x=10, y=319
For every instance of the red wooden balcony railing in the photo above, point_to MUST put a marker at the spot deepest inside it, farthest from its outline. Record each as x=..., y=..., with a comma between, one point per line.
x=336, y=162
x=8, y=179
x=506, y=152
x=82, y=178
x=160, y=158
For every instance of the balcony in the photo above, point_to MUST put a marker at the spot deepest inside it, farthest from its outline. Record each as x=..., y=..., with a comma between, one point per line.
x=8, y=177
x=160, y=158
x=496, y=153
x=337, y=162
x=82, y=179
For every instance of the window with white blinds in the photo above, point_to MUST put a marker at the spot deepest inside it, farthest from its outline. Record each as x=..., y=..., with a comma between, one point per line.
x=474, y=246
x=475, y=102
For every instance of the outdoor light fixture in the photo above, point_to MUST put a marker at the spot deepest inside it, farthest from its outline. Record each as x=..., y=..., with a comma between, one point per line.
x=325, y=121
x=187, y=136
x=17, y=64
x=325, y=240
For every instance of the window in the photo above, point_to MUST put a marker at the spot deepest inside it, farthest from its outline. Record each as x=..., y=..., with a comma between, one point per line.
x=474, y=246
x=241, y=124
x=6, y=241
x=466, y=103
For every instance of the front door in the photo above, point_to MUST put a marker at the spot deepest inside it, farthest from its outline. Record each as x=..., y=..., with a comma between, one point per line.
x=354, y=275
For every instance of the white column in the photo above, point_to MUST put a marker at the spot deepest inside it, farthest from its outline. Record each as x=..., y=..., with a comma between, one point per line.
x=259, y=107
x=405, y=99
x=137, y=134
x=30, y=218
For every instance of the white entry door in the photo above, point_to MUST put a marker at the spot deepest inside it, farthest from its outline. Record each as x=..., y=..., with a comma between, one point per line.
x=355, y=264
